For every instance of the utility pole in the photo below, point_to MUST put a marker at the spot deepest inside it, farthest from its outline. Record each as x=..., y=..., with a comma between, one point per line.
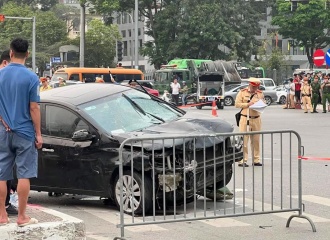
x=82, y=35
x=136, y=13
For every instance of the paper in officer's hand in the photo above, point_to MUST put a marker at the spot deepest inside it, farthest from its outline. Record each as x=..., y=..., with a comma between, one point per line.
x=259, y=106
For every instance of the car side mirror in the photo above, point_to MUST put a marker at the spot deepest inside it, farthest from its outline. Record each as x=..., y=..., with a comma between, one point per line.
x=82, y=135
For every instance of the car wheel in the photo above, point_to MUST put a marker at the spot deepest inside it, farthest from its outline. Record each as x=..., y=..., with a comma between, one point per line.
x=282, y=100
x=133, y=202
x=268, y=100
x=220, y=104
x=50, y=194
x=229, y=101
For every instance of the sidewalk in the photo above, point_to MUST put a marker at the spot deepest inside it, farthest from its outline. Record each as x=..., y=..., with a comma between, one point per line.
x=52, y=225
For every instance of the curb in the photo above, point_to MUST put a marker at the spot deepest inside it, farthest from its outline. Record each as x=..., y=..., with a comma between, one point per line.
x=69, y=228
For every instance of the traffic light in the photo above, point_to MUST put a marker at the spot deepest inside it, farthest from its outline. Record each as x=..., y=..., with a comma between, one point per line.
x=120, y=51
x=2, y=18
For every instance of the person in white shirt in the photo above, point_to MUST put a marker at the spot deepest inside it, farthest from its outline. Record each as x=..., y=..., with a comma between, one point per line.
x=175, y=86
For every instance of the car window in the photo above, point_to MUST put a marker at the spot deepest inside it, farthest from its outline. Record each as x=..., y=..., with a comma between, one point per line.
x=61, y=122
x=262, y=88
x=268, y=83
x=74, y=77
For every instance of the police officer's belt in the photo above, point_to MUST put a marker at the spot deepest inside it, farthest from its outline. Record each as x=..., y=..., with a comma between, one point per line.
x=252, y=117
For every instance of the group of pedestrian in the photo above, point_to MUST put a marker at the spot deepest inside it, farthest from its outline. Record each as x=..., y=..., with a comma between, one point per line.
x=20, y=130
x=308, y=89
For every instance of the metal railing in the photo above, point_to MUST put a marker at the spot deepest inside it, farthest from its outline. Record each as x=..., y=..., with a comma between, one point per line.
x=173, y=178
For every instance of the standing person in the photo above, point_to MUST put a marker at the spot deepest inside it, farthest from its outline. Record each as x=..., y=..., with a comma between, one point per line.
x=244, y=99
x=306, y=93
x=292, y=93
x=316, y=87
x=20, y=129
x=10, y=209
x=297, y=82
x=45, y=86
x=325, y=87
x=184, y=91
x=287, y=89
x=175, y=86
x=61, y=82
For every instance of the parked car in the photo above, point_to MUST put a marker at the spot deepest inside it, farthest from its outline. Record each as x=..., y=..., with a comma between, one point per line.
x=232, y=90
x=147, y=85
x=268, y=83
x=281, y=95
x=84, y=125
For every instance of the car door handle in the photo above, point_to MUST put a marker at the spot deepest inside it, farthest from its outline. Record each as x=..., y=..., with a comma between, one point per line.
x=47, y=150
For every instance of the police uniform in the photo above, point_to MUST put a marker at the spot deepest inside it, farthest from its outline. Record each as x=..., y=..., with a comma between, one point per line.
x=316, y=86
x=306, y=91
x=325, y=94
x=242, y=101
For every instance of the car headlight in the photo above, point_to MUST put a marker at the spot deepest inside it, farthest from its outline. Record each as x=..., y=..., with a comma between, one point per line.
x=237, y=142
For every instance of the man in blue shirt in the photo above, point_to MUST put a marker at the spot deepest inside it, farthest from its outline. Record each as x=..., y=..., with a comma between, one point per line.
x=20, y=133
x=10, y=209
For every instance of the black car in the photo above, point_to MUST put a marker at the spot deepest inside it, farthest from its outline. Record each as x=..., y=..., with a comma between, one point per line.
x=83, y=126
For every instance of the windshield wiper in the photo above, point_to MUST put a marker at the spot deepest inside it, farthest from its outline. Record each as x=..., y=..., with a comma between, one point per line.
x=158, y=118
x=134, y=104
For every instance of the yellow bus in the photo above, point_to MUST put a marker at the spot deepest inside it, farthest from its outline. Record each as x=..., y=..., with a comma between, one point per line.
x=90, y=74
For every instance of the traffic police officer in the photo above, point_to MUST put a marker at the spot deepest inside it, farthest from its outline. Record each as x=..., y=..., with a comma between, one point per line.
x=306, y=91
x=244, y=99
x=325, y=92
x=316, y=86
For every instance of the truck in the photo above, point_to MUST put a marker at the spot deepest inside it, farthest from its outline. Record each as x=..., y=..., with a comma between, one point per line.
x=205, y=78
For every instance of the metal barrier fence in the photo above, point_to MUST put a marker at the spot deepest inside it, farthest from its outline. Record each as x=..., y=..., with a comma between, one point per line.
x=173, y=178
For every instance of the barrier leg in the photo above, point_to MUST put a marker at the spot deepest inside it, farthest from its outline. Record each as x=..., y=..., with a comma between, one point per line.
x=119, y=238
x=301, y=216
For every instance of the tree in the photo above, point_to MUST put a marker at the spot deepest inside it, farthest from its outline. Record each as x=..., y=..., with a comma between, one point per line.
x=194, y=28
x=69, y=14
x=49, y=29
x=100, y=44
x=308, y=25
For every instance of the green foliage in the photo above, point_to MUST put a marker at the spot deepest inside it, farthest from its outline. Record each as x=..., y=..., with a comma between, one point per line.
x=195, y=28
x=49, y=29
x=100, y=44
x=308, y=25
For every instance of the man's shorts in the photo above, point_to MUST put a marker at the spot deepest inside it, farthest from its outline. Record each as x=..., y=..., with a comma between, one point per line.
x=17, y=150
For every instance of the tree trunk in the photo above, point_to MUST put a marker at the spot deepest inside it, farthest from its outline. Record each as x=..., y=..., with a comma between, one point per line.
x=310, y=53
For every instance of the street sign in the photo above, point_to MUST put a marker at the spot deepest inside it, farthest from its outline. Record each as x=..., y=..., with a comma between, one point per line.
x=2, y=18
x=56, y=59
x=327, y=57
x=318, y=57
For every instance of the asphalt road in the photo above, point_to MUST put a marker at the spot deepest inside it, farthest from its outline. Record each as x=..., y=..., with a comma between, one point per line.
x=314, y=130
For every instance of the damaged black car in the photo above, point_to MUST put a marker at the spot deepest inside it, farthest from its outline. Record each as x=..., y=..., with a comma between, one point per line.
x=84, y=125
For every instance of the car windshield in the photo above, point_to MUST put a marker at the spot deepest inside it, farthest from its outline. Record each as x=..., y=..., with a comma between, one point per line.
x=128, y=111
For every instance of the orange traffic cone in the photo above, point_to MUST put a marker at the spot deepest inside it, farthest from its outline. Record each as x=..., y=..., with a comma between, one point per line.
x=214, y=109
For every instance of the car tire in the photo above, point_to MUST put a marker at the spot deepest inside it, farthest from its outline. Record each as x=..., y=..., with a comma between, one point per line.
x=138, y=193
x=282, y=100
x=219, y=105
x=229, y=101
x=268, y=100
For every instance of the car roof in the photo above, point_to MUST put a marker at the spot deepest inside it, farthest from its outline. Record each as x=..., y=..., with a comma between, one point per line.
x=81, y=93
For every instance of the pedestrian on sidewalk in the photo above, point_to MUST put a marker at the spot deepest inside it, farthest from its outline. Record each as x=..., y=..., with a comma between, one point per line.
x=20, y=131
x=10, y=209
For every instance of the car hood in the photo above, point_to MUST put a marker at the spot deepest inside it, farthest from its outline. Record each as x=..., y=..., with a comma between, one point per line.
x=180, y=130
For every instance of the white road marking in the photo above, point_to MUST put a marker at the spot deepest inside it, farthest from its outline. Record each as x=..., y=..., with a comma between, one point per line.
x=286, y=215
x=225, y=222
x=315, y=199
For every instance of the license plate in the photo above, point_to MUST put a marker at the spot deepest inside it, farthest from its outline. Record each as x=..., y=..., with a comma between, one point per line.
x=211, y=98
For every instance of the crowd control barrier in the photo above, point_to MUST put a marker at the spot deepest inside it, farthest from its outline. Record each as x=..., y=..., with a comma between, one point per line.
x=173, y=178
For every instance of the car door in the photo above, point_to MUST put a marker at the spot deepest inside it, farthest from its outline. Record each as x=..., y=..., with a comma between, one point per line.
x=65, y=163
